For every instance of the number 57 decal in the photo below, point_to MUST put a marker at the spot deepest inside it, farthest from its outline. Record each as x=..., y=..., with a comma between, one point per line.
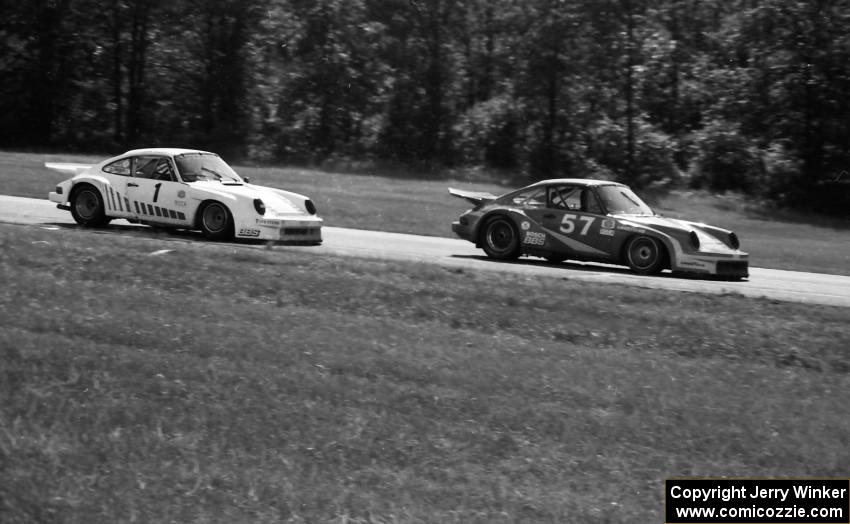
x=568, y=224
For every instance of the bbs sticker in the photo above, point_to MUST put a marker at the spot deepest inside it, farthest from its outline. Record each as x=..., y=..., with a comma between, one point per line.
x=535, y=239
x=248, y=232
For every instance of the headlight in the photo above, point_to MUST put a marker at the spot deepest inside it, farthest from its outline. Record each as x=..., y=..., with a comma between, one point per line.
x=311, y=207
x=259, y=206
x=733, y=241
x=694, y=239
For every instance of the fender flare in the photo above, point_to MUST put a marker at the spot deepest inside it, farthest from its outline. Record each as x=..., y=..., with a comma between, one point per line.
x=668, y=244
x=486, y=218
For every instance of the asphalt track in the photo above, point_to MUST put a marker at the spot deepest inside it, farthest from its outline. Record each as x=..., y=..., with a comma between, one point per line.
x=812, y=288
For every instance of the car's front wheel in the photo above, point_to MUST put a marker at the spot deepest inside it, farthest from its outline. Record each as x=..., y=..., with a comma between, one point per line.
x=87, y=206
x=645, y=255
x=500, y=239
x=215, y=221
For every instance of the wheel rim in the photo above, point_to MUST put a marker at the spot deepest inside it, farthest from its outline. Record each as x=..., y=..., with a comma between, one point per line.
x=214, y=218
x=643, y=253
x=86, y=204
x=500, y=236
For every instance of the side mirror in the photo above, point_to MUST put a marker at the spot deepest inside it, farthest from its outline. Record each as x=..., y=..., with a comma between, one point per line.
x=246, y=179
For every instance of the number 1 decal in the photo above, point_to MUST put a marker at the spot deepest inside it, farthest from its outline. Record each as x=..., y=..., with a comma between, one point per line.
x=156, y=193
x=568, y=224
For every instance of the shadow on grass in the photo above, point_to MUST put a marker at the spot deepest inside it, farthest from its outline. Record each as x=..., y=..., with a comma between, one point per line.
x=153, y=232
x=593, y=267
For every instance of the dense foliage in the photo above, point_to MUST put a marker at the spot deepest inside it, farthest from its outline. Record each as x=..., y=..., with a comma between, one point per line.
x=728, y=94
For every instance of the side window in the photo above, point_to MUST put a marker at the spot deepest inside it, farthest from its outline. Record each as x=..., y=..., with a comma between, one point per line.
x=119, y=167
x=534, y=197
x=163, y=170
x=565, y=197
x=590, y=203
x=145, y=166
x=154, y=167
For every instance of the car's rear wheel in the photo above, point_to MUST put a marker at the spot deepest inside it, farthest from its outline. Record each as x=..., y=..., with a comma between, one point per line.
x=645, y=255
x=215, y=221
x=87, y=206
x=500, y=239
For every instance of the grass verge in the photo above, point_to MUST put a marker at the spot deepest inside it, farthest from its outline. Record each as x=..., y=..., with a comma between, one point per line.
x=224, y=384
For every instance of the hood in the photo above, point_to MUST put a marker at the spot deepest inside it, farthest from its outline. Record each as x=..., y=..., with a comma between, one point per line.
x=707, y=235
x=276, y=201
x=656, y=222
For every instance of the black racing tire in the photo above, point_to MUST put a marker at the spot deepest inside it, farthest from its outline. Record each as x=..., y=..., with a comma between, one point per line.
x=645, y=255
x=215, y=221
x=500, y=239
x=87, y=206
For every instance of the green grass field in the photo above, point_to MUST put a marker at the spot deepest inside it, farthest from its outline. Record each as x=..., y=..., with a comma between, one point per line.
x=235, y=384
x=211, y=383
x=774, y=239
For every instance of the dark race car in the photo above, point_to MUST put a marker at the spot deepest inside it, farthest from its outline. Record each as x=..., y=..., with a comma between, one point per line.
x=595, y=220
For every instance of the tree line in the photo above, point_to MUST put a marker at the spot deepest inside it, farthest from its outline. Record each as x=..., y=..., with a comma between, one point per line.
x=746, y=95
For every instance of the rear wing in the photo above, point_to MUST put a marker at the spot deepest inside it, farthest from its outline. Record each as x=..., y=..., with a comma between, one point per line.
x=474, y=197
x=67, y=167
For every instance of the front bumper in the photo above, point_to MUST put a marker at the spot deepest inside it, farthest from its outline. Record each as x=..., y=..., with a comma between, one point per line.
x=736, y=266
x=301, y=231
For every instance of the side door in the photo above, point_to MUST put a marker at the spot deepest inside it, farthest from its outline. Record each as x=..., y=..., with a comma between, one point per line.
x=155, y=194
x=574, y=217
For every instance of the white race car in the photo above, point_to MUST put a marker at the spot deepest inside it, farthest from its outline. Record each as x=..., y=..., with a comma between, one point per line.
x=184, y=189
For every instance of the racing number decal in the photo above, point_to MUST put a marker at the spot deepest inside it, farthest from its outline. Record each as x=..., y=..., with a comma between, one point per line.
x=156, y=193
x=568, y=224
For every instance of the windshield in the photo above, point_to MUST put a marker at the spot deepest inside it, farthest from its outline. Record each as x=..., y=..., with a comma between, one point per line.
x=620, y=200
x=204, y=166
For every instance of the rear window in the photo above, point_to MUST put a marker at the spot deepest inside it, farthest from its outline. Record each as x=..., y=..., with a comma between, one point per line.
x=119, y=167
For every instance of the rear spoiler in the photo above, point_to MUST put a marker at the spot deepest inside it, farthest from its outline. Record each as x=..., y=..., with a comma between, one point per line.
x=474, y=197
x=67, y=168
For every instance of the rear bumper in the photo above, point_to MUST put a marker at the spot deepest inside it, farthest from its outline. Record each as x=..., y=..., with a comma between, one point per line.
x=462, y=231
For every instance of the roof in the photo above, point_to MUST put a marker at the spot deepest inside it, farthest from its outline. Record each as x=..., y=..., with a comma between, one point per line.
x=170, y=151
x=577, y=181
